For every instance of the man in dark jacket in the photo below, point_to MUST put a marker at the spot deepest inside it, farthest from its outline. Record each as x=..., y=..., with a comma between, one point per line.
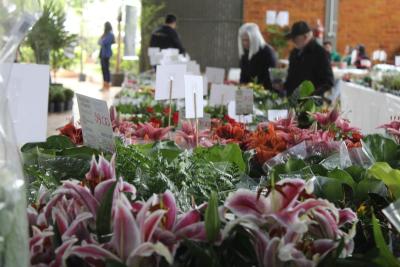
x=308, y=61
x=166, y=36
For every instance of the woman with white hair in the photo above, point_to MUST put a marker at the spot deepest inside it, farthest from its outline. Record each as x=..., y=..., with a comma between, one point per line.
x=256, y=56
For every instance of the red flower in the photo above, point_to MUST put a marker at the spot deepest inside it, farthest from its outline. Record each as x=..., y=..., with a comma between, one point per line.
x=175, y=118
x=166, y=111
x=155, y=121
x=150, y=109
x=73, y=133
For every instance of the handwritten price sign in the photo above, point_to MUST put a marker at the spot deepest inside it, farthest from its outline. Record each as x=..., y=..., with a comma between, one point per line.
x=96, y=123
x=244, y=102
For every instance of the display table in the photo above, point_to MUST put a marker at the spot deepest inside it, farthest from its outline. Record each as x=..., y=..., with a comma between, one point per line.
x=367, y=108
x=339, y=73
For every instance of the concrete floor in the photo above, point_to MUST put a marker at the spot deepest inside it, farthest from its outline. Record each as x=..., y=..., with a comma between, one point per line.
x=89, y=88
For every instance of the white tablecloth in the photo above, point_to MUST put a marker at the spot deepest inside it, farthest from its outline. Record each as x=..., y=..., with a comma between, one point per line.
x=367, y=108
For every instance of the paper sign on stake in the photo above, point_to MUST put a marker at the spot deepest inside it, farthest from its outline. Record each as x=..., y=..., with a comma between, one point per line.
x=277, y=114
x=240, y=118
x=234, y=75
x=152, y=51
x=163, y=77
x=205, y=85
x=193, y=68
x=96, y=123
x=194, y=96
x=222, y=94
x=28, y=92
x=244, y=101
x=215, y=75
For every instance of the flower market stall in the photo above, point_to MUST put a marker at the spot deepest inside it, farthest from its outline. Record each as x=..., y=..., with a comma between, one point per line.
x=188, y=170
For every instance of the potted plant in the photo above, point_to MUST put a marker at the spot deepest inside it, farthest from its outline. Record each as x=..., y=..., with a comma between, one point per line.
x=59, y=99
x=69, y=95
x=51, y=102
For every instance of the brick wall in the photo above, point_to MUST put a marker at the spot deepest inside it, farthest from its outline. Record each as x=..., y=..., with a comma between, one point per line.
x=370, y=22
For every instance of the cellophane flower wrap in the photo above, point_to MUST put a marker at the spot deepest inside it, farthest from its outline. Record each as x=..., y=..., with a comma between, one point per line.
x=15, y=21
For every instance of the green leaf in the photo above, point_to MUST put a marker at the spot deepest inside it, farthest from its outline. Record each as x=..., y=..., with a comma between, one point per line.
x=370, y=185
x=342, y=176
x=306, y=89
x=391, y=177
x=356, y=172
x=292, y=165
x=382, y=148
x=224, y=153
x=308, y=106
x=103, y=222
x=57, y=142
x=82, y=152
x=212, y=220
x=329, y=188
x=385, y=258
x=168, y=149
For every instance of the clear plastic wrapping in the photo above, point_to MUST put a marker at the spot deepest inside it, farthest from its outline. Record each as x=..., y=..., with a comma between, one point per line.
x=17, y=17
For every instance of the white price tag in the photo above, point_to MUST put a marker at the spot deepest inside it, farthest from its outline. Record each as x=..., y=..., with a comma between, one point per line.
x=28, y=92
x=164, y=75
x=96, y=123
x=215, y=75
x=222, y=94
x=244, y=101
x=194, y=104
x=277, y=114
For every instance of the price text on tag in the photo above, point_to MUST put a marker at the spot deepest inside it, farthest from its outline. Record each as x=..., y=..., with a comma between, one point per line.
x=244, y=102
x=96, y=123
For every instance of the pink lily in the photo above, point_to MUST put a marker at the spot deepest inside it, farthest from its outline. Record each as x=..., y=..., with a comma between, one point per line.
x=100, y=170
x=393, y=128
x=131, y=236
x=147, y=131
x=344, y=126
x=175, y=228
x=328, y=118
x=187, y=136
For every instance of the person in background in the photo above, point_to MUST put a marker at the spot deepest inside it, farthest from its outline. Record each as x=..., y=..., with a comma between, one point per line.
x=106, y=41
x=362, y=60
x=166, y=36
x=308, y=61
x=347, y=55
x=335, y=56
x=256, y=56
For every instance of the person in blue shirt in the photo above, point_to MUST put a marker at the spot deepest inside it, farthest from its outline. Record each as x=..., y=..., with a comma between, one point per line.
x=106, y=41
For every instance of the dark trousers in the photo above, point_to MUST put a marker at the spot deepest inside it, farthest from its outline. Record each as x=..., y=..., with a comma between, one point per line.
x=105, y=68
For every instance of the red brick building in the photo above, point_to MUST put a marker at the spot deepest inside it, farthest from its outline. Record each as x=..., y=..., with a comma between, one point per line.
x=369, y=22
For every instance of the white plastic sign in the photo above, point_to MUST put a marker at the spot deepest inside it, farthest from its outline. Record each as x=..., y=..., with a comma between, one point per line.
x=193, y=68
x=96, y=123
x=194, y=104
x=244, y=101
x=277, y=114
x=239, y=118
x=205, y=85
x=164, y=75
x=234, y=75
x=222, y=94
x=152, y=51
x=215, y=75
x=28, y=93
